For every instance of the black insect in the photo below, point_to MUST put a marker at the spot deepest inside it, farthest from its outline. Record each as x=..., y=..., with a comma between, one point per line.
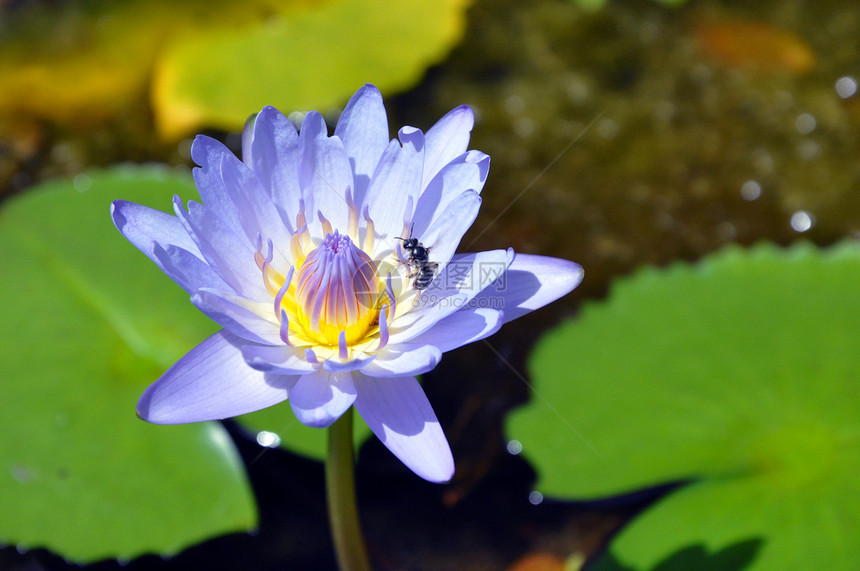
x=418, y=258
x=425, y=276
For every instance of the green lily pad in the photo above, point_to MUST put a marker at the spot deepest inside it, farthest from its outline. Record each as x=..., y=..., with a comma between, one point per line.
x=742, y=374
x=313, y=58
x=87, y=323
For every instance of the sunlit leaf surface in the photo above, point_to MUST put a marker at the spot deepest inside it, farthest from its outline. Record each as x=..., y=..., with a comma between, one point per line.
x=742, y=374
x=314, y=58
x=212, y=63
x=87, y=323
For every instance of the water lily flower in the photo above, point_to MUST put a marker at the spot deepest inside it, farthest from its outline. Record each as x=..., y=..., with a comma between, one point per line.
x=300, y=252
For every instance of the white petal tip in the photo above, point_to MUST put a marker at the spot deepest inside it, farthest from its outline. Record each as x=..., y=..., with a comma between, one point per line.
x=441, y=475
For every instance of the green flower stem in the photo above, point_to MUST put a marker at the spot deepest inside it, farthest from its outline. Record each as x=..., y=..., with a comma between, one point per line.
x=340, y=493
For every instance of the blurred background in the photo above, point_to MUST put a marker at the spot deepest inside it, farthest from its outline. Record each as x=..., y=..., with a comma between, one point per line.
x=622, y=134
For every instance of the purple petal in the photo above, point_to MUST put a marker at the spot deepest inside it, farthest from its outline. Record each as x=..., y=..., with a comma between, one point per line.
x=398, y=412
x=531, y=282
x=462, y=328
x=447, y=139
x=212, y=381
x=248, y=139
x=403, y=359
x=396, y=179
x=254, y=208
x=312, y=130
x=220, y=199
x=363, y=128
x=320, y=398
x=238, y=316
x=187, y=270
x=333, y=366
x=444, y=234
x=466, y=172
x=232, y=193
x=270, y=148
x=229, y=255
x=142, y=225
x=324, y=172
x=278, y=359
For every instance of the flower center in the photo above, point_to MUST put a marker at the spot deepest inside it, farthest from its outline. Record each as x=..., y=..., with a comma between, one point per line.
x=337, y=289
